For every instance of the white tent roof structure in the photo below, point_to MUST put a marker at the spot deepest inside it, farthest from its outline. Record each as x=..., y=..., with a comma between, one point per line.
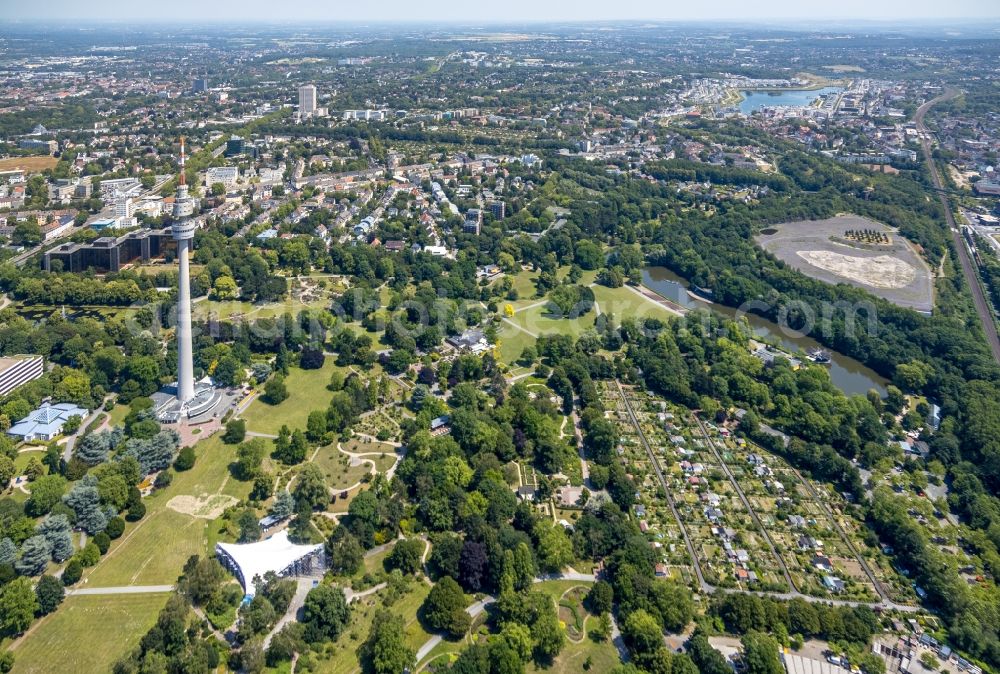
x=277, y=554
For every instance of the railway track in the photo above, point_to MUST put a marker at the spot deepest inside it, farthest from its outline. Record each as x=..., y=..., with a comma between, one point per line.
x=983, y=308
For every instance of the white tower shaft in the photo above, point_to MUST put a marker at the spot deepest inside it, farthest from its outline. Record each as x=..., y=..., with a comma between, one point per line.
x=185, y=357
x=183, y=233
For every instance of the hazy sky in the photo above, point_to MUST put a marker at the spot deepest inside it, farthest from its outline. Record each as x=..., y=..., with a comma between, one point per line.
x=497, y=10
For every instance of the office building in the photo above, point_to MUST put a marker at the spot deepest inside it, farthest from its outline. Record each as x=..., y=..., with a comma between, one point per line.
x=124, y=207
x=227, y=175
x=236, y=146
x=199, y=85
x=65, y=190
x=125, y=212
x=307, y=100
x=109, y=253
x=18, y=370
x=49, y=146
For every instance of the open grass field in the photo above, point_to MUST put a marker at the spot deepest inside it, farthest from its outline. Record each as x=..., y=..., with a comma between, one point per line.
x=624, y=302
x=88, y=633
x=235, y=309
x=445, y=652
x=536, y=319
x=524, y=283
x=603, y=657
x=358, y=329
x=153, y=550
x=25, y=456
x=232, y=309
x=337, y=468
x=556, y=588
x=512, y=342
x=118, y=414
x=358, y=446
x=28, y=164
x=306, y=392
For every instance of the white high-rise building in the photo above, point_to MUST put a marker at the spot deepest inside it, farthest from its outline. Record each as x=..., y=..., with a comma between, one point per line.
x=307, y=99
x=124, y=207
x=125, y=212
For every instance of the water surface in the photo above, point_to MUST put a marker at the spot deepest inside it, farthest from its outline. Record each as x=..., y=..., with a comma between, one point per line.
x=848, y=374
x=755, y=100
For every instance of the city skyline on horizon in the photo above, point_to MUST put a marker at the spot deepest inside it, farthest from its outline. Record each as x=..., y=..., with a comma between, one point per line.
x=255, y=11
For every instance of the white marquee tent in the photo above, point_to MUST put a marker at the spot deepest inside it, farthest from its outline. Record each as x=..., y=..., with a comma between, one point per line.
x=253, y=560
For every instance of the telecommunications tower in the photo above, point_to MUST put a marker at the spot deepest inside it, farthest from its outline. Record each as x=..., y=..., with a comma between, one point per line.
x=183, y=233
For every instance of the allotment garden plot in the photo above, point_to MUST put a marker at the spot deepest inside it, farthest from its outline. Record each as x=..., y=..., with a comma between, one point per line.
x=806, y=522
x=791, y=523
x=651, y=510
x=732, y=551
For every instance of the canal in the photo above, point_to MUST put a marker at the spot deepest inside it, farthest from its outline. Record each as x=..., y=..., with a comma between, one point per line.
x=849, y=375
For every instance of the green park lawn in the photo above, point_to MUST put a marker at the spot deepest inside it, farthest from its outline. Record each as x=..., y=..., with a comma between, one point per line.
x=118, y=414
x=306, y=392
x=524, y=281
x=624, y=302
x=224, y=309
x=336, y=468
x=87, y=633
x=524, y=284
x=153, y=550
x=512, y=342
x=374, y=563
x=556, y=588
x=358, y=330
x=534, y=320
x=23, y=458
x=358, y=446
x=537, y=320
x=603, y=657
x=343, y=653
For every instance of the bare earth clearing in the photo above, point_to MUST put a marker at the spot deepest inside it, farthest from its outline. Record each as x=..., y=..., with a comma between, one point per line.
x=883, y=271
x=892, y=269
x=205, y=506
x=28, y=164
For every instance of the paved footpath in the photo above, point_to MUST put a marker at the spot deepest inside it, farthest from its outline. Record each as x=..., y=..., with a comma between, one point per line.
x=123, y=589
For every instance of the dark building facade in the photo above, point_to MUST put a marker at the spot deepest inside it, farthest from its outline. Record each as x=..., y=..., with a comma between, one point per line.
x=110, y=253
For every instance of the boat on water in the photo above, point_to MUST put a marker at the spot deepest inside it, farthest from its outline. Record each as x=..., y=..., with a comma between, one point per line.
x=819, y=356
